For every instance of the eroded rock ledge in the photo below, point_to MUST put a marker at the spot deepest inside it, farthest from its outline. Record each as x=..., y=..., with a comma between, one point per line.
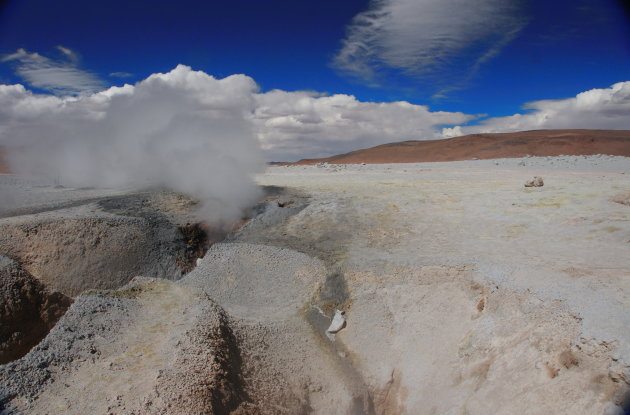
x=150, y=347
x=29, y=310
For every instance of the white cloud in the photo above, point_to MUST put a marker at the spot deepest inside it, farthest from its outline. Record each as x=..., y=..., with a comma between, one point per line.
x=301, y=124
x=121, y=74
x=190, y=131
x=69, y=53
x=184, y=129
x=607, y=108
x=440, y=39
x=59, y=76
x=288, y=125
x=452, y=132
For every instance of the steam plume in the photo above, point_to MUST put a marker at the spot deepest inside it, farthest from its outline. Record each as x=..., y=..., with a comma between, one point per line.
x=184, y=130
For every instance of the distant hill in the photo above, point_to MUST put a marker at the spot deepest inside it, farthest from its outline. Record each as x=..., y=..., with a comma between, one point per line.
x=4, y=166
x=491, y=146
x=480, y=146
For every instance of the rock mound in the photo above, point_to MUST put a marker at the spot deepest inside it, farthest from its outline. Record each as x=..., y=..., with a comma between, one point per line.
x=152, y=347
x=28, y=310
x=71, y=255
x=103, y=244
x=242, y=277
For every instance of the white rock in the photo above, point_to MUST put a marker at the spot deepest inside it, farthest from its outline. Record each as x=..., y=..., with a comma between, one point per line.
x=613, y=409
x=338, y=322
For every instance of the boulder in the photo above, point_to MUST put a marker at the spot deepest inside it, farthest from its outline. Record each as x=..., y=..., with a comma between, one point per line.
x=535, y=182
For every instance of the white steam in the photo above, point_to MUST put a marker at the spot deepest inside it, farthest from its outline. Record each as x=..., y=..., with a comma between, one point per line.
x=184, y=130
x=199, y=135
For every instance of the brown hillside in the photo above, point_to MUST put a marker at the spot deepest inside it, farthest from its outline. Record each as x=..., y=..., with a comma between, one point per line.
x=490, y=146
x=4, y=166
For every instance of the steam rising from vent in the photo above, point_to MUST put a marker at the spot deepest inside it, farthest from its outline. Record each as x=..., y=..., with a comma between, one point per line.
x=184, y=130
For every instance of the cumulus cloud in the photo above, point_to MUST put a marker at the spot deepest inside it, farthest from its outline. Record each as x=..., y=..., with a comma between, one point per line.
x=200, y=135
x=122, y=135
x=427, y=38
x=606, y=108
x=59, y=76
x=301, y=124
x=184, y=130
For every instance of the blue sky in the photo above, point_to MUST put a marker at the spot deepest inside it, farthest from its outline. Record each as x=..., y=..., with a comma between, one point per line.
x=489, y=59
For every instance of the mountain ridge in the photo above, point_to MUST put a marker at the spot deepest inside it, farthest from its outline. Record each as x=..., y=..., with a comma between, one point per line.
x=489, y=146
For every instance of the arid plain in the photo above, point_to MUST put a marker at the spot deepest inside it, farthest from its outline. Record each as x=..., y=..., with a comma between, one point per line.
x=464, y=292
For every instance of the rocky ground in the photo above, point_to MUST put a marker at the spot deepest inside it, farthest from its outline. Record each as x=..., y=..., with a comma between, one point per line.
x=57, y=242
x=464, y=293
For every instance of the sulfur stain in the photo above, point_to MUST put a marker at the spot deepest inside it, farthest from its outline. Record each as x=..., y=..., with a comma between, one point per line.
x=609, y=229
x=551, y=202
x=515, y=231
